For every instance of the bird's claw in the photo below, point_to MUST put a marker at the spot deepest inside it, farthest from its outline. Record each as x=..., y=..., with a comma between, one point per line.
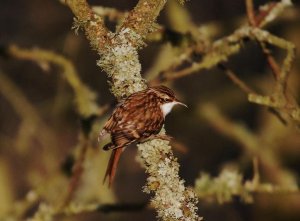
x=158, y=136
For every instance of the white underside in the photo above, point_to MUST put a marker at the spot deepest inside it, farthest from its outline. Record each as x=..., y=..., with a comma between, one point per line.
x=166, y=108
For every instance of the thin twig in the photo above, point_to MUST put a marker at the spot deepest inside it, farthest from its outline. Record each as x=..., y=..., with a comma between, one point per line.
x=250, y=13
x=77, y=171
x=236, y=80
x=252, y=21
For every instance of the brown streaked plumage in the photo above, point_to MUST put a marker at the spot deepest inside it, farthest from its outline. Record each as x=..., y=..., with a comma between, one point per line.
x=137, y=118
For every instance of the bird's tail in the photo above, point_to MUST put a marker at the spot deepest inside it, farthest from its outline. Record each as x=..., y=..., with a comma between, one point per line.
x=112, y=165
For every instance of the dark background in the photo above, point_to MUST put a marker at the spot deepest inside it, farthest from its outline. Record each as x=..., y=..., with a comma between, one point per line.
x=47, y=24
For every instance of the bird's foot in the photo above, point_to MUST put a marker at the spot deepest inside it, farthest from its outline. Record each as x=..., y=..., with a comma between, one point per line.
x=158, y=136
x=109, y=146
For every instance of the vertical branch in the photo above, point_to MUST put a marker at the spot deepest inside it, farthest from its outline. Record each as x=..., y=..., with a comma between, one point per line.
x=172, y=200
x=119, y=59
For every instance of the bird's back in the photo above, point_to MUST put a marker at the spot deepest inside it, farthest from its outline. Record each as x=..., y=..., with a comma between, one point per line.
x=138, y=112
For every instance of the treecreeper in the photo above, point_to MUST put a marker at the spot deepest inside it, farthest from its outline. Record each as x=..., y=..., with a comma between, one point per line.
x=138, y=118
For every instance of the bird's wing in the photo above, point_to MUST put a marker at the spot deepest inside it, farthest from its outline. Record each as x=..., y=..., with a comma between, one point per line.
x=109, y=125
x=116, y=118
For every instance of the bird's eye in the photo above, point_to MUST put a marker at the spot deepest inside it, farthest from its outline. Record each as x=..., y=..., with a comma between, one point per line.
x=167, y=99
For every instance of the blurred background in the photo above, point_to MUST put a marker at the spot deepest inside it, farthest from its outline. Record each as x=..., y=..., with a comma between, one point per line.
x=42, y=132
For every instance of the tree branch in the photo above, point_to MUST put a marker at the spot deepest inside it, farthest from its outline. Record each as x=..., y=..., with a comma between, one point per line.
x=172, y=200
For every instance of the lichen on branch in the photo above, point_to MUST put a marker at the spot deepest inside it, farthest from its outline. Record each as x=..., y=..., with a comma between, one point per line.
x=171, y=199
x=122, y=65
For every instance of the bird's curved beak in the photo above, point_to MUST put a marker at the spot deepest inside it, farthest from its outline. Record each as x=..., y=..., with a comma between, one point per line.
x=180, y=103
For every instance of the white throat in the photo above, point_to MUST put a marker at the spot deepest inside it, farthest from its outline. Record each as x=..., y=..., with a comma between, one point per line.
x=166, y=108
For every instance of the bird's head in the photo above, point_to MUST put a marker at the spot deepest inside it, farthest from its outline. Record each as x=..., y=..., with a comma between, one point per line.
x=166, y=98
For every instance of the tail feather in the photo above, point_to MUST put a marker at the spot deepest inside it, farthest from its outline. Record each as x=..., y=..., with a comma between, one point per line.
x=112, y=165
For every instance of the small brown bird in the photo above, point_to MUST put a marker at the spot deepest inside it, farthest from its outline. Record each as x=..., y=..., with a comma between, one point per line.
x=138, y=118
